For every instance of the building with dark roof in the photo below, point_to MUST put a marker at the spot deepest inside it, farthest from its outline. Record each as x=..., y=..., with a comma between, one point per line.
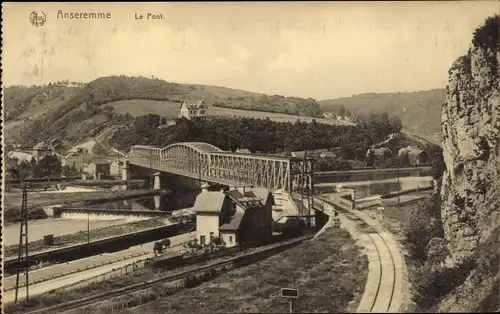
x=41, y=150
x=234, y=216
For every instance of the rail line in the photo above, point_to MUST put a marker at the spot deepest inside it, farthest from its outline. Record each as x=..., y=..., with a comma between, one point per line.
x=381, y=301
x=72, y=305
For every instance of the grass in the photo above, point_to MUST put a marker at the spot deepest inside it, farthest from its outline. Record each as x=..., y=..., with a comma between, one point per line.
x=139, y=107
x=79, y=237
x=328, y=271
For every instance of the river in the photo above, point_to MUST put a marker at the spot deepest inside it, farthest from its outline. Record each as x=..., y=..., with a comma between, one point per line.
x=378, y=187
x=74, y=223
x=58, y=227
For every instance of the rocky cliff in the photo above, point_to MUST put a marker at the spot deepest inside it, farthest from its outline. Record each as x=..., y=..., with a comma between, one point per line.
x=471, y=144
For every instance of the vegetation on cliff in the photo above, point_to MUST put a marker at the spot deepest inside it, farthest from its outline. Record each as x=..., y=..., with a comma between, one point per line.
x=458, y=270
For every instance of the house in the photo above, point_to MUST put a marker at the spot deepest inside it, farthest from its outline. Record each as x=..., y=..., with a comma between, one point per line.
x=98, y=168
x=41, y=150
x=321, y=153
x=414, y=156
x=377, y=156
x=116, y=168
x=234, y=216
x=76, y=160
x=418, y=156
x=243, y=151
x=194, y=109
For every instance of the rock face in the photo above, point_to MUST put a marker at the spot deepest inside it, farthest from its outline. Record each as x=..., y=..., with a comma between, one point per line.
x=471, y=144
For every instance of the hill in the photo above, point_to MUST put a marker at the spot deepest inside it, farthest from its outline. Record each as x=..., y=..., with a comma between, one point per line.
x=76, y=113
x=420, y=112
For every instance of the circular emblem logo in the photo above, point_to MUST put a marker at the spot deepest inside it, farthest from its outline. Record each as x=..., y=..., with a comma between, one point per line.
x=37, y=18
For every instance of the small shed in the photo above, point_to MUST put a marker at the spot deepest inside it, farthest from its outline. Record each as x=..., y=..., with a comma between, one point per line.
x=418, y=156
x=99, y=167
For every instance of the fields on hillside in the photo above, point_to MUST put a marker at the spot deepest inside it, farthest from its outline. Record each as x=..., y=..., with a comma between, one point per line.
x=420, y=112
x=139, y=107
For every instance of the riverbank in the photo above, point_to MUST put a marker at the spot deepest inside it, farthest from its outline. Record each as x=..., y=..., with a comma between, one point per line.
x=12, y=201
x=329, y=272
x=80, y=237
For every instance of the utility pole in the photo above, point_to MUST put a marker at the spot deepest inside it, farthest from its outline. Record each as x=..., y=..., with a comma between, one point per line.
x=151, y=168
x=397, y=173
x=22, y=260
x=88, y=228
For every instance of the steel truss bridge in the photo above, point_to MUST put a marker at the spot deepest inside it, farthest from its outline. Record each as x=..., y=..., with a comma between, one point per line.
x=209, y=163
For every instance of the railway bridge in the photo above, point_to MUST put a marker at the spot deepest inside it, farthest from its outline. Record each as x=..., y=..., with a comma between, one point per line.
x=208, y=163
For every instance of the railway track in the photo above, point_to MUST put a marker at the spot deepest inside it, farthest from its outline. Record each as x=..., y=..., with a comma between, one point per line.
x=381, y=291
x=231, y=262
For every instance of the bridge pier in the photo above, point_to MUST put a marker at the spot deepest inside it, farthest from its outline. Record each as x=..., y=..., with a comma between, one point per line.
x=157, y=186
x=126, y=174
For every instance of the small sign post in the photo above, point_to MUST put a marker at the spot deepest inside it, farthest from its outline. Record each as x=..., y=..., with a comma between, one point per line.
x=380, y=213
x=290, y=294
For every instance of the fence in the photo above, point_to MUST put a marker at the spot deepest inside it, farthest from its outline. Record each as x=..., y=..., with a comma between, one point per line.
x=120, y=271
x=74, y=271
x=116, y=272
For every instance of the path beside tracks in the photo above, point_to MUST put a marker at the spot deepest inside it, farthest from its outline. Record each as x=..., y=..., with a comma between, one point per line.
x=386, y=287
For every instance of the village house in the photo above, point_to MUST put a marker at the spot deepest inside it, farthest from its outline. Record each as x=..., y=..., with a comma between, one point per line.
x=234, y=216
x=78, y=161
x=317, y=153
x=98, y=168
x=243, y=151
x=116, y=168
x=56, y=145
x=415, y=156
x=41, y=150
x=379, y=155
x=194, y=109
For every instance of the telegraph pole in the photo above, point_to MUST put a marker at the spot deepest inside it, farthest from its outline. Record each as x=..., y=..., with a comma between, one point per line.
x=88, y=228
x=151, y=168
x=22, y=260
x=397, y=173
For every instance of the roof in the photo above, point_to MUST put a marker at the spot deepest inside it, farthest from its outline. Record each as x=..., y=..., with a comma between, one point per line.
x=381, y=151
x=243, y=151
x=299, y=154
x=415, y=152
x=209, y=202
x=258, y=192
x=235, y=222
x=328, y=154
x=247, y=201
x=100, y=161
x=404, y=150
x=193, y=104
x=41, y=145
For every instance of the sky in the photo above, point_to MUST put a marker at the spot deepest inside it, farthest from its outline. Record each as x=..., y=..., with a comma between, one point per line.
x=316, y=49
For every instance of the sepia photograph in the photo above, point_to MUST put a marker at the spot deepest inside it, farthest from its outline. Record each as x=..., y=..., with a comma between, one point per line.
x=250, y=157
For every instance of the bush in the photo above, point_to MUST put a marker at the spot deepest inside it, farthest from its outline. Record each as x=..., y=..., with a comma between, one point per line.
x=424, y=223
x=433, y=282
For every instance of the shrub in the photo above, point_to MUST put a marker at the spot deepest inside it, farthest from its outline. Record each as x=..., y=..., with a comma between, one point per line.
x=437, y=251
x=433, y=282
x=424, y=223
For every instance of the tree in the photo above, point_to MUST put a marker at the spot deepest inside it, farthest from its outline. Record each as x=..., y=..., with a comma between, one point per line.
x=217, y=241
x=166, y=243
x=404, y=160
x=342, y=111
x=48, y=166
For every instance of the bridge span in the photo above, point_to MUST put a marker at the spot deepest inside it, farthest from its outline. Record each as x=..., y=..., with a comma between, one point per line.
x=209, y=163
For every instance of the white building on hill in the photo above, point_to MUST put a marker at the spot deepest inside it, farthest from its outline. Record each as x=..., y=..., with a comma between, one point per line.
x=194, y=109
